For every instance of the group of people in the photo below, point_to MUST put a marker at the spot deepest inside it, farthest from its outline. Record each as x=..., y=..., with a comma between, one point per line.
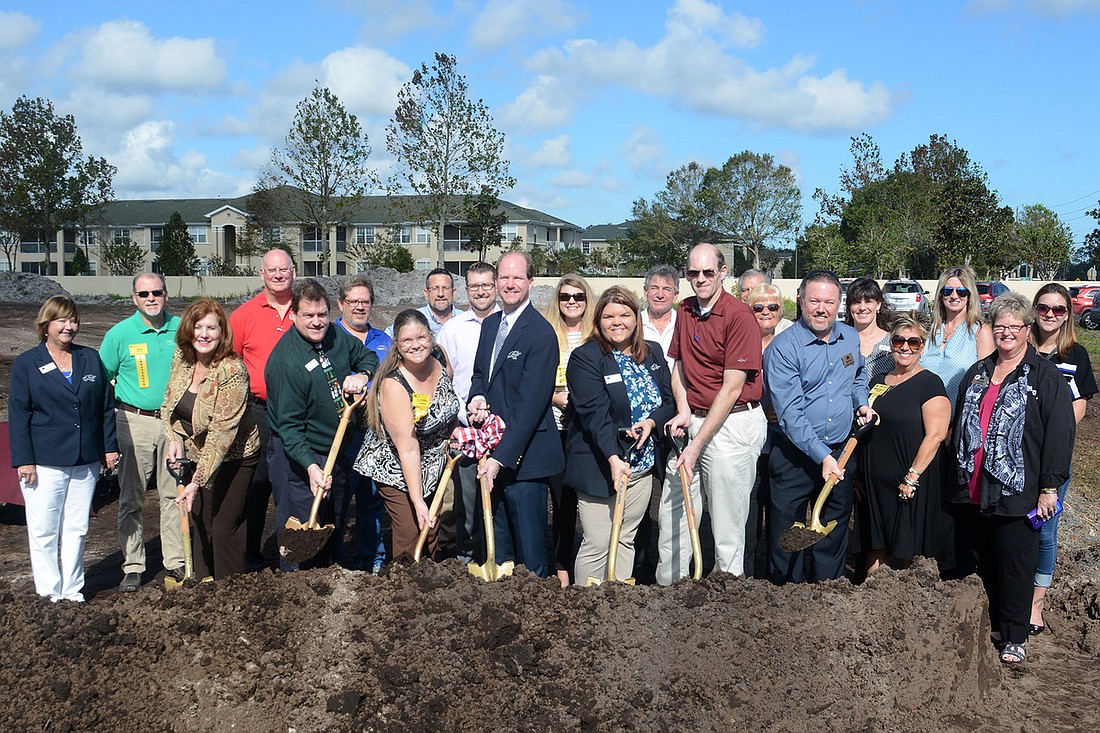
x=973, y=430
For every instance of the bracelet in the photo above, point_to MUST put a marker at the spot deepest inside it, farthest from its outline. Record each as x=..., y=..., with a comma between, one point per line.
x=910, y=483
x=914, y=471
x=1049, y=492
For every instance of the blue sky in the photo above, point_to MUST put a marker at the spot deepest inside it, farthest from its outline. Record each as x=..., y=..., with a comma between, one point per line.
x=598, y=100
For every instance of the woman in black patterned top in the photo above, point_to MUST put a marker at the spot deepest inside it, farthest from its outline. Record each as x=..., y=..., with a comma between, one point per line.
x=411, y=410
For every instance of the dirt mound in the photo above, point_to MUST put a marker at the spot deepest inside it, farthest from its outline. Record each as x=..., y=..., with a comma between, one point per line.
x=428, y=647
x=26, y=287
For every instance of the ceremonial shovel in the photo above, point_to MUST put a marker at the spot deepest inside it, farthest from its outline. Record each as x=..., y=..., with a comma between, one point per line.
x=437, y=502
x=689, y=510
x=626, y=442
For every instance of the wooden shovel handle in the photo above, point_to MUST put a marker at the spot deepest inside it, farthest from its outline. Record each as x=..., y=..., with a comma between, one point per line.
x=333, y=454
x=617, y=525
x=437, y=502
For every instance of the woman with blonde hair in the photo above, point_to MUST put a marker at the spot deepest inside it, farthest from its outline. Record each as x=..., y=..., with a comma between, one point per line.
x=959, y=335
x=570, y=315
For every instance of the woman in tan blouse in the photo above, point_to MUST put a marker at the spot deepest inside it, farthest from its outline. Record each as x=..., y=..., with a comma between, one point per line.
x=207, y=420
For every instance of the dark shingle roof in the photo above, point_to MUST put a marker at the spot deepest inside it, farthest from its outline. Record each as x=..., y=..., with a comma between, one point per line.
x=606, y=232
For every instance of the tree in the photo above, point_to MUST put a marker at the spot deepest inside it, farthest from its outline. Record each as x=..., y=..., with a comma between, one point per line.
x=665, y=230
x=176, y=254
x=46, y=185
x=445, y=146
x=568, y=259
x=120, y=255
x=9, y=244
x=484, y=222
x=80, y=262
x=385, y=251
x=1045, y=242
x=1092, y=239
x=752, y=200
x=321, y=174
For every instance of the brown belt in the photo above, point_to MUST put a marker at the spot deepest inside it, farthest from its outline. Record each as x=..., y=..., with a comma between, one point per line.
x=137, y=410
x=743, y=407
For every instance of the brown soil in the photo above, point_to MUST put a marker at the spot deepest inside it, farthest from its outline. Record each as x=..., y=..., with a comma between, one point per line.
x=428, y=647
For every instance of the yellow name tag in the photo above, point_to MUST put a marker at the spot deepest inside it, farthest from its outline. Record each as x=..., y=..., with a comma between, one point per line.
x=420, y=403
x=877, y=391
x=559, y=380
x=139, y=349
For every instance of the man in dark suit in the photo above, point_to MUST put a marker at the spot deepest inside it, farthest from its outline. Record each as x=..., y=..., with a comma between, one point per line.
x=514, y=371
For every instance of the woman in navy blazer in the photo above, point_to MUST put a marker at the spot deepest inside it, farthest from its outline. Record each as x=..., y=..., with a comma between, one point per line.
x=617, y=380
x=62, y=426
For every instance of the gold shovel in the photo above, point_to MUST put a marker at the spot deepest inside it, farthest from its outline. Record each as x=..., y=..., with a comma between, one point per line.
x=437, y=502
x=799, y=536
x=299, y=542
x=626, y=440
x=181, y=476
x=490, y=570
x=689, y=509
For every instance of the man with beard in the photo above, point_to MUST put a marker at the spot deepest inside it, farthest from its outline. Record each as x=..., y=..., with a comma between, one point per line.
x=815, y=378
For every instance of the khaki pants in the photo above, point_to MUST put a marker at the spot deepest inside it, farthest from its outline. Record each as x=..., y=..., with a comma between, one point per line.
x=141, y=447
x=596, y=514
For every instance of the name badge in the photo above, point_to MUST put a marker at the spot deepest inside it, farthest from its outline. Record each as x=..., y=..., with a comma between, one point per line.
x=559, y=379
x=312, y=364
x=848, y=360
x=420, y=403
x=47, y=368
x=139, y=349
x=877, y=391
x=612, y=378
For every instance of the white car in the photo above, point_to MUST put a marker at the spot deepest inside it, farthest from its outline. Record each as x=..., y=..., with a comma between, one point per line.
x=906, y=296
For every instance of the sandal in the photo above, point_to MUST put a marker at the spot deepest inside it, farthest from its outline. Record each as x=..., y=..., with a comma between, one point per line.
x=1014, y=653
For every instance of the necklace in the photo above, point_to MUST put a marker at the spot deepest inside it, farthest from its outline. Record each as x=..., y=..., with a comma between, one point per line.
x=63, y=359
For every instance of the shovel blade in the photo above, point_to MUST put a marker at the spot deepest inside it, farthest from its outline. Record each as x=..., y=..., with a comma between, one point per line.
x=800, y=537
x=491, y=571
x=298, y=543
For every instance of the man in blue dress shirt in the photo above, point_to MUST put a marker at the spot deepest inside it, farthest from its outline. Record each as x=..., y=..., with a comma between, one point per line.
x=815, y=379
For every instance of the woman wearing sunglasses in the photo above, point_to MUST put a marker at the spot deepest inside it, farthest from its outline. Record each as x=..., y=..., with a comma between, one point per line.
x=869, y=315
x=766, y=302
x=903, y=514
x=569, y=314
x=1055, y=338
x=959, y=335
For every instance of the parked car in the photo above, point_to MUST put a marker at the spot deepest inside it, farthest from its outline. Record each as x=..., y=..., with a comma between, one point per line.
x=906, y=296
x=1090, y=316
x=1081, y=297
x=987, y=291
x=844, y=283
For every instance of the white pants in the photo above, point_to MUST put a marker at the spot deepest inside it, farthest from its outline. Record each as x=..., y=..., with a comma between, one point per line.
x=597, y=514
x=726, y=471
x=57, y=513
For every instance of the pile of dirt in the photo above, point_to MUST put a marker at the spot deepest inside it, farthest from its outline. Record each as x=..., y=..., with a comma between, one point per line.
x=26, y=287
x=428, y=647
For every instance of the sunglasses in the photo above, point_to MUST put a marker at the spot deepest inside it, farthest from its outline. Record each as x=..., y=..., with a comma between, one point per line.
x=1058, y=310
x=707, y=274
x=961, y=292
x=158, y=293
x=915, y=342
x=759, y=307
x=575, y=297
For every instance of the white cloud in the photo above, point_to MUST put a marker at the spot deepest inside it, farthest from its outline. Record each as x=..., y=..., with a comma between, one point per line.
x=792, y=160
x=502, y=22
x=644, y=151
x=386, y=19
x=572, y=178
x=365, y=79
x=124, y=54
x=692, y=67
x=17, y=30
x=148, y=166
x=554, y=152
x=98, y=109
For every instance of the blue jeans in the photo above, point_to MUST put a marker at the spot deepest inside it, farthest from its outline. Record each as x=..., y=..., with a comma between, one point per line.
x=1048, y=543
x=370, y=549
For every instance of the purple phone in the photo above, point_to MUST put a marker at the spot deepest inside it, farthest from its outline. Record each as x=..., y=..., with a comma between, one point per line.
x=1038, y=522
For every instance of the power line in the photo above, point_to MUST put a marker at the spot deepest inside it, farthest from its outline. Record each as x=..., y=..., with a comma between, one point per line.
x=1087, y=195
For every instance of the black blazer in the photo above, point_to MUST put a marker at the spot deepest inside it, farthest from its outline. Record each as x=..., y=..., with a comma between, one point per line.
x=600, y=408
x=54, y=423
x=520, y=390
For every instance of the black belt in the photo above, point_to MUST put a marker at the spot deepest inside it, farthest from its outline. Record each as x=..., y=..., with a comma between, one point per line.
x=137, y=410
x=257, y=401
x=743, y=407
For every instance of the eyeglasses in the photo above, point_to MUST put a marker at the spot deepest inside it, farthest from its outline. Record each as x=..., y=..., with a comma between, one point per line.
x=1013, y=329
x=480, y=286
x=1058, y=310
x=359, y=303
x=407, y=342
x=961, y=292
x=759, y=307
x=158, y=293
x=575, y=297
x=707, y=274
x=915, y=342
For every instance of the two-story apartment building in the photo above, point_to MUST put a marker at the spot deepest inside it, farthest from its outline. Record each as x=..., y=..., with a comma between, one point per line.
x=223, y=228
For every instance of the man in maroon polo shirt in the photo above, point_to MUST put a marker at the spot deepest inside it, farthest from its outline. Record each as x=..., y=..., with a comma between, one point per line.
x=718, y=386
x=257, y=326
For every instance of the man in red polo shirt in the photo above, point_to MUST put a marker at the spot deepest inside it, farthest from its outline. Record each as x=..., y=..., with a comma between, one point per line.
x=257, y=325
x=718, y=386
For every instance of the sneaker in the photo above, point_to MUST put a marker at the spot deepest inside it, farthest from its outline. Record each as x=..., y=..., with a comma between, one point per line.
x=176, y=574
x=130, y=583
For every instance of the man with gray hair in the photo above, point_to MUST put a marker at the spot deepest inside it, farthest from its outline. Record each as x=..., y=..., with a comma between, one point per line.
x=137, y=356
x=662, y=288
x=749, y=279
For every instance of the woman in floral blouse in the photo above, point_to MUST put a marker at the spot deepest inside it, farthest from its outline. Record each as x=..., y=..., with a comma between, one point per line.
x=207, y=420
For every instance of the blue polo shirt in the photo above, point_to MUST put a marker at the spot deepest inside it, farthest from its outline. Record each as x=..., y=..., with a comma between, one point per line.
x=377, y=340
x=815, y=386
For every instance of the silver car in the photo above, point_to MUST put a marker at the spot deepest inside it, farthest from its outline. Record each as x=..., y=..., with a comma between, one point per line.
x=906, y=296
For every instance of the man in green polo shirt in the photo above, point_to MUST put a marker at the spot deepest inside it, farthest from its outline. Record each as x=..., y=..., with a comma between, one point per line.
x=307, y=374
x=137, y=354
